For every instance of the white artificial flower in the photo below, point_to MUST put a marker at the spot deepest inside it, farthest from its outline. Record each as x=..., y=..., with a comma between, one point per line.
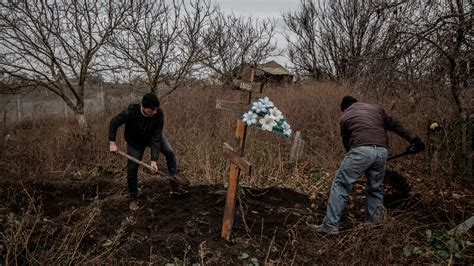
x=266, y=101
x=276, y=114
x=259, y=107
x=250, y=118
x=267, y=123
x=266, y=116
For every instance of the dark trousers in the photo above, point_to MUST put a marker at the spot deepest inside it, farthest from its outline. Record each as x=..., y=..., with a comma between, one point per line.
x=132, y=168
x=167, y=150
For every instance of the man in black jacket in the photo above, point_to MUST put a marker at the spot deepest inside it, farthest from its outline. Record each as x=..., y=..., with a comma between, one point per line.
x=364, y=136
x=143, y=128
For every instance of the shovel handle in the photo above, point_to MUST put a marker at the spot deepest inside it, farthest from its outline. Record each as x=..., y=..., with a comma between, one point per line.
x=135, y=160
x=180, y=180
x=399, y=155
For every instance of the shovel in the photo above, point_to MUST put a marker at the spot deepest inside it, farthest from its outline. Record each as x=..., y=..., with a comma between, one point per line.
x=416, y=147
x=397, y=181
x=178, y=179
x=399, y=155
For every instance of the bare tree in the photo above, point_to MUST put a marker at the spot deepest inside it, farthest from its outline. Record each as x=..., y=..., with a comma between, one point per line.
x=445, y=29
x=336, y=38
x=191, y=43
x=303, y=36
x=233, y=41
x=163, y=40
x=54, y=44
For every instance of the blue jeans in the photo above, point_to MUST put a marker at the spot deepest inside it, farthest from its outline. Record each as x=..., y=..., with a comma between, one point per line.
x=132, y=168
x=369, y=160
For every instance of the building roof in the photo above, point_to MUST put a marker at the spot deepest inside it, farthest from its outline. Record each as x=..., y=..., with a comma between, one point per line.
x=274, y=68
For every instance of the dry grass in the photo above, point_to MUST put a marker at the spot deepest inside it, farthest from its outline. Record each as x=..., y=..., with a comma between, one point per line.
x=197, y=130
x=55, y=151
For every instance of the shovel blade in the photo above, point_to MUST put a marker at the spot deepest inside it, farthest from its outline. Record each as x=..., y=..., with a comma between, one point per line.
x=180, y=180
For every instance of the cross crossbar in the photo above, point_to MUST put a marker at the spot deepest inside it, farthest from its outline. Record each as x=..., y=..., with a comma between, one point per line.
x=244, y=165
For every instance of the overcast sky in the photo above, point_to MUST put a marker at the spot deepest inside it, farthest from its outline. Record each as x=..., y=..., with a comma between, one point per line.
x=258, y=8
x=262, y=9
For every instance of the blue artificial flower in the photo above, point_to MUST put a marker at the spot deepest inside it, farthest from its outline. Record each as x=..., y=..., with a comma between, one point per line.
x=286, y=129
x=250, y=118
x=259, y=108
x=266, y=102
x=266, y=116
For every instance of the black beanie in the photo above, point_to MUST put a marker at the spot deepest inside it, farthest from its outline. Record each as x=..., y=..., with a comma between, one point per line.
x=150, y=100
x=347, y=101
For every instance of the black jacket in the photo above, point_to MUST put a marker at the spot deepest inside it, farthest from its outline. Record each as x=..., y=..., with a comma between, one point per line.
x=140, y=131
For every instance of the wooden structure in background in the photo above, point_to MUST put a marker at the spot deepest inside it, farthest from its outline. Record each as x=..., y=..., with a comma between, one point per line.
x=270, y=72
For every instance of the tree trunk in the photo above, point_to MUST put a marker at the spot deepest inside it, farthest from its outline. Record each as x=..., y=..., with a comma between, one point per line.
x=458, y=92
x=81, y=119
x=80, y=116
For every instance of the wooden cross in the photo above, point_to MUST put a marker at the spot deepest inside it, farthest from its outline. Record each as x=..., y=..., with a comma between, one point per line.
x=235, y=155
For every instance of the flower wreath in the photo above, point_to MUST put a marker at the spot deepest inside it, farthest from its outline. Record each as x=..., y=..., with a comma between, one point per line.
x=266, y=116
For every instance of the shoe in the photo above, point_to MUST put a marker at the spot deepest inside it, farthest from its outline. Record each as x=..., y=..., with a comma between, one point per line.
x=134, y=205
x=323, y=229
x=179, y=179
x=178, y=191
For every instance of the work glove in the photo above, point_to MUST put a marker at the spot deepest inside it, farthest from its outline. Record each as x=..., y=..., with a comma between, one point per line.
x=416, y=145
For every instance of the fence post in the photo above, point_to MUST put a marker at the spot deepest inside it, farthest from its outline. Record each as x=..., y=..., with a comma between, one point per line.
x=65, y=110
x=4, y=116
x=102, y=97
x=33, y=114
x=297, y=147
x=18, y=108
x=470, y=146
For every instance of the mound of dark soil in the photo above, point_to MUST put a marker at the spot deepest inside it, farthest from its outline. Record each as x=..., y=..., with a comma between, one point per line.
x=92, y=219
x=166, y=228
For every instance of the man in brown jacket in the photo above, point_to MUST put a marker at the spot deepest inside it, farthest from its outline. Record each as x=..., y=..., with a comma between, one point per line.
x=364, y=136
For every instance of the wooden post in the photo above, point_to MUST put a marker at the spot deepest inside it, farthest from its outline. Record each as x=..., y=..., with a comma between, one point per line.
x=33, y=114
x=436, y=136
x=297, y=147
x=65, y=110
x=238, y=164
x=470, y=146
x=102, y=97
x=18, y=109
x=4, y=116
x=232, y=186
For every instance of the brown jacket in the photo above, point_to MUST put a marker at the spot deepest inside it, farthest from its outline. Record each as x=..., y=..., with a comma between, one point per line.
x=366, y=124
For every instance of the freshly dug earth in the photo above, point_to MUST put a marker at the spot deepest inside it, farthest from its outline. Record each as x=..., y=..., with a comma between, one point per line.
x=91, y=218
